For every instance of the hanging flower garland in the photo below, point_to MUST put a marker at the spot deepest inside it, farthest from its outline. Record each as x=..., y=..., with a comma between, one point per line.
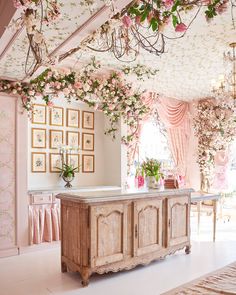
x=159, y=13
x=140, y=71
x=110, y=94
x=215, y=127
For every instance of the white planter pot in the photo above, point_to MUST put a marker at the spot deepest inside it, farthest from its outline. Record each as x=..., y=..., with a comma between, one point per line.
x=152, y=182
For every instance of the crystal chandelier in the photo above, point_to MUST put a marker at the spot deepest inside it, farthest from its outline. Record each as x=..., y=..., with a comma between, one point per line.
x=226, y=85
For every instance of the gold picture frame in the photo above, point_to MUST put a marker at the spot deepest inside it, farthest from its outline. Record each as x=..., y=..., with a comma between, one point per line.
x=56, y=138
x=88, y=163
x=74, y=160
x=55, y=160
x=38, y=162
x=88, y=141
x=73, y=118
x=57, y=116
x=38, y=138
x=39, y=114
x=88, y=120
x=73, y=138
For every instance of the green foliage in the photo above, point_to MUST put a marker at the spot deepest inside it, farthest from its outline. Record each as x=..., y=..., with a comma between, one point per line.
x=67, y=170
x=211, y=9
x=157, y=12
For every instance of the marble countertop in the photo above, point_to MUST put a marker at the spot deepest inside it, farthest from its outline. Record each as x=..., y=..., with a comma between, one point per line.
x=73, y=189
x=104, y=196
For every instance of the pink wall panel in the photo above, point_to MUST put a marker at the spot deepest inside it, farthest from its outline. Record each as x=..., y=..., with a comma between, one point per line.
x=7, y=172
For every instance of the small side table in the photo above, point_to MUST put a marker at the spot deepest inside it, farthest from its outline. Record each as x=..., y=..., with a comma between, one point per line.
x=198, y=197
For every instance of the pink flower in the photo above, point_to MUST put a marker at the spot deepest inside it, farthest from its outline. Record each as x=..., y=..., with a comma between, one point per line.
x=180, y=28
x=17, y=3
x=111, y=107
x=31, y=93
x=38, y=94
x=24, y=99
x=78, y=85
x=66, y=91
x=138, y=19
x=168, y=3
x=206, y=2
x=221, y=8
x=50, y=104
x=57, y=85
x=127, y=21
x=150, y=16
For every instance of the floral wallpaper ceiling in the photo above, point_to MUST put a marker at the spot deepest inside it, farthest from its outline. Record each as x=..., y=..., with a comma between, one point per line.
x=185, y=71
x=190, y=64
x=73, y=15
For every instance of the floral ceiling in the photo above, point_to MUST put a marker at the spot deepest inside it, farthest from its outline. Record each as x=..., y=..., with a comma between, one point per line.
x=73, y=15
x=185, y=71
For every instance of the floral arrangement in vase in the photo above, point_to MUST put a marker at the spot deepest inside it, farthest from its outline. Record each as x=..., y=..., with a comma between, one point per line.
x=67, y=169
x=151, y=168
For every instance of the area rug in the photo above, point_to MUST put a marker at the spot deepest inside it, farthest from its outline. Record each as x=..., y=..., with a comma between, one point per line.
x=222, y=281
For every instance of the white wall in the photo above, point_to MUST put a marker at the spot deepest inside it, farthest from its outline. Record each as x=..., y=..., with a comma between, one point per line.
x=107, y=154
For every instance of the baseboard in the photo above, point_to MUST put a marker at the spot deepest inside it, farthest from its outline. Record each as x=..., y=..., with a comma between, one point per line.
x=9, y=252
x=39, y=247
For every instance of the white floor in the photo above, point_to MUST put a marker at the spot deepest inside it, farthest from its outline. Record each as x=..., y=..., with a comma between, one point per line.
x=38, y=273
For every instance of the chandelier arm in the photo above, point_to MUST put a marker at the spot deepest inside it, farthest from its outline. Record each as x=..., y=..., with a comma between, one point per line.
x=138, y=36
x=27, y=59
x=157, y=35
x=118, y=53
x=99, y=50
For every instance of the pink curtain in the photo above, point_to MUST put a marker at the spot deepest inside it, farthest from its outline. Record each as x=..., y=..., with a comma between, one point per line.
x=175, y=116
x=44, y=223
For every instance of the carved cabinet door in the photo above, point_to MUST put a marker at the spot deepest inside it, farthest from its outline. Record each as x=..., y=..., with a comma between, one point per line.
x=108, y=233
x=178, y=227
x=147, y=226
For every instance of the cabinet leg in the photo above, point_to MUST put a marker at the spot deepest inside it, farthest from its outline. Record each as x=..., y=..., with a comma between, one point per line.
x=188, y=249
x=63, y=267
x=85, y=278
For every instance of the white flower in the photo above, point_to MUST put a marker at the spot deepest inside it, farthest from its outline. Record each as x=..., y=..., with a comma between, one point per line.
x=86, y=87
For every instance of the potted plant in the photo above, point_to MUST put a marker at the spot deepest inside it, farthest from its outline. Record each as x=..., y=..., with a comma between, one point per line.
x=151, y=169
x=67, y=173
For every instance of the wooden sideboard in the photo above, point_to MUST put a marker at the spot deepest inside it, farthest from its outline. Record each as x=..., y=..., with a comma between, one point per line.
x=113, y=231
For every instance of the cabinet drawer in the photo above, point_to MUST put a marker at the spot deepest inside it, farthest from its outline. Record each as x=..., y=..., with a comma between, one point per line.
x=41, y=199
